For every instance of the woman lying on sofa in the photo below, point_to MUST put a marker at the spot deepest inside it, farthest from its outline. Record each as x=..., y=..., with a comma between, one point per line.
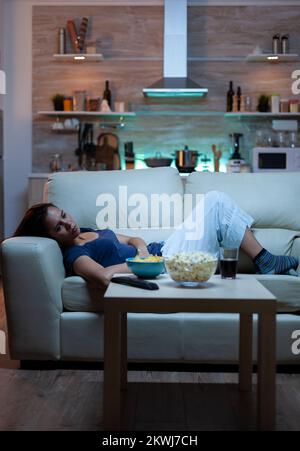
x=97, y=255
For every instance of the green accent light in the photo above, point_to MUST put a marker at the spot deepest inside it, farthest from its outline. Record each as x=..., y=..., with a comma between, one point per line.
x=175, y=94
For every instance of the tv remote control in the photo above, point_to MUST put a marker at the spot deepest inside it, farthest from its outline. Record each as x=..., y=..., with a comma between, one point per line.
x=135, y=283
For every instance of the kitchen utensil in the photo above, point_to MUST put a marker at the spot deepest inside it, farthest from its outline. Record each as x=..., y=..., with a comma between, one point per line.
x=107, y=148
x=186, y=159
x=158, y=161
x=86, y=149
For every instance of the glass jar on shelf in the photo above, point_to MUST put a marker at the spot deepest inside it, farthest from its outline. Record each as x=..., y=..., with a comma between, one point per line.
x=56, y=162
x=284, y=106
x=294, y=106
x=293, y=139
x=282, y=139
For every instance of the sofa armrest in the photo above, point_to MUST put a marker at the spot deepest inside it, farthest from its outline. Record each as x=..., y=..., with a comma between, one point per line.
x=33, y=273
x=295, y=251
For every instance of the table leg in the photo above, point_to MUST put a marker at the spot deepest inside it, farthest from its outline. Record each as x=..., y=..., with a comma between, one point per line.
x=266, y=371
x=245, y=352
x=112, y=371
x=124, y=351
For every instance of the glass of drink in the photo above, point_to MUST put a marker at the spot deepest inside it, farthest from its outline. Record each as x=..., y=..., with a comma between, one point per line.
x=229, y=258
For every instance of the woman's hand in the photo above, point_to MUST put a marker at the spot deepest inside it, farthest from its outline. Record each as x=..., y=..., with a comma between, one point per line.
x=93, y=272
x=143, y=252
x=136, y=242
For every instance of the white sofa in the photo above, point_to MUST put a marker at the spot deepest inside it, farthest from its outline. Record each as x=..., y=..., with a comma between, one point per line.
x=51, y=317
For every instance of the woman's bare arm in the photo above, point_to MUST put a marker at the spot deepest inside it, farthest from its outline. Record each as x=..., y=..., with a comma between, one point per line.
x=94, y=273
x=135, y=241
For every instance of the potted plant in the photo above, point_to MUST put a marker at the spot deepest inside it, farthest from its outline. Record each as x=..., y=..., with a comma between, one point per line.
x=263, y=104
x=58, y=102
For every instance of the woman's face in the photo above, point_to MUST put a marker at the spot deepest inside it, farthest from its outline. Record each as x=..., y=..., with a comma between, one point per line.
x=61, y=226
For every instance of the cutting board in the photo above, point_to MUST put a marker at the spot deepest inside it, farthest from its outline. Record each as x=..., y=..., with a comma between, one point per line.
x=107, y=145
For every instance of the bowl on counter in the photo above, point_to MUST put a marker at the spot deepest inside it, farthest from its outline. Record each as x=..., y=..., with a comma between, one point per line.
x=146, y=268
x=191, y=268
x=158, y=161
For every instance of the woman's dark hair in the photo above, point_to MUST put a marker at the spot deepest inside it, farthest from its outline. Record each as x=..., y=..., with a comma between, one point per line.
x=33, y=223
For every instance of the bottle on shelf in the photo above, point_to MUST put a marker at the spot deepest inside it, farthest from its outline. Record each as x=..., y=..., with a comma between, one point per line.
x=230, y=95
x=236, y=160
x=243, y=104
x=276, y=44
x=107, y=93
x=285, y=44
x=235, y=107
x=61, y=41
x=239, y=97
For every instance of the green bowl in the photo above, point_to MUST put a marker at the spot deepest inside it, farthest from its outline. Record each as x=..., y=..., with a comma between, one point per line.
x=145, y=270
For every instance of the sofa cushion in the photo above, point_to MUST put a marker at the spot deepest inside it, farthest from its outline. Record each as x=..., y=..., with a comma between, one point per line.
x=78, y=296
x=271, y=199
x=77, y=193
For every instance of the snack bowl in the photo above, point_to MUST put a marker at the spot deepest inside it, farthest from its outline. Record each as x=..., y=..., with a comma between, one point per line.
x=146, y=268
x=191, y=268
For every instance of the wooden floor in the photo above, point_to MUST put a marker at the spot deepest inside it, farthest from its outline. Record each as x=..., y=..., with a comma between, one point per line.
x=178, y=401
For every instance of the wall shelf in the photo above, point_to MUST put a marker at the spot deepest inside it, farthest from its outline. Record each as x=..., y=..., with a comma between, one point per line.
x=64, y=131
x=269, y=57
x=90, y=114
x=180, y=113
x=78, y=57
x=257, y=115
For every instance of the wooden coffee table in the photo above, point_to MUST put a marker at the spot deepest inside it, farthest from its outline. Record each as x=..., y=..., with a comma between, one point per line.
x=245, y=296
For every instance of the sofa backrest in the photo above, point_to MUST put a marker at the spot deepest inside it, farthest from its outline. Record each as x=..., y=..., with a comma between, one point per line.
x=271, y=199
x=77, y=193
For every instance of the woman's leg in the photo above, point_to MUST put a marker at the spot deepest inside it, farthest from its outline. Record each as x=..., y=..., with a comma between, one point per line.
x=250, y=244
x=222, y=222
x=225, y=224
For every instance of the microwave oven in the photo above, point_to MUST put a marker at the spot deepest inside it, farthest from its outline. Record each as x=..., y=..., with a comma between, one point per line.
x=276, y=159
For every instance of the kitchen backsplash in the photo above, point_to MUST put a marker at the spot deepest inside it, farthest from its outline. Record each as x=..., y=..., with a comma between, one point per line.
x=130, y=35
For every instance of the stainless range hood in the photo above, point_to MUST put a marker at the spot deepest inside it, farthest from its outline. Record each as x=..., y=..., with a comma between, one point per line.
x=175, y=82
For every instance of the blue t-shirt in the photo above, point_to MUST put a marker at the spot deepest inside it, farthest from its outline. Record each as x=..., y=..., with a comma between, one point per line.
x=105, y=250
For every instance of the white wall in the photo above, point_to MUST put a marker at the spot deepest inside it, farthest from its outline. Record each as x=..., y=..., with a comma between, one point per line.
x=17, y=111
x=1, y=44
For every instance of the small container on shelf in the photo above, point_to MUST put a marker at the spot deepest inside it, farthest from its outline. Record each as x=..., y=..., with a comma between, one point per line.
x=294, y=106
x=248, y=104
x=56, y=162
x=93, y=103
x=68, y=104
x=275, y=103
x=79, y=101
x=284, y=106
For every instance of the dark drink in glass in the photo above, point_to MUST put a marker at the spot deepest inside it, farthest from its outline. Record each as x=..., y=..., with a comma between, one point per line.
x=228, y=262
x=228, y=268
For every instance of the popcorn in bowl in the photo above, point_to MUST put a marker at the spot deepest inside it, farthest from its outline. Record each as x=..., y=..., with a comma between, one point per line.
x=191, y=268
